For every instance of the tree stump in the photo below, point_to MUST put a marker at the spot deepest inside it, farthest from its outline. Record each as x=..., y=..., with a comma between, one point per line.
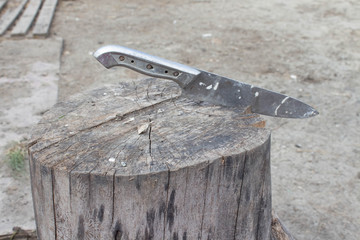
x=138, y=161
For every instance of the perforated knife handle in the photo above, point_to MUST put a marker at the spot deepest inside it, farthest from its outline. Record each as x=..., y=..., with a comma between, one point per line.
x=113, y=55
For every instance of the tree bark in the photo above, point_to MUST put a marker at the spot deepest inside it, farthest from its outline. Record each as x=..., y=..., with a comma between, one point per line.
x=139, y=161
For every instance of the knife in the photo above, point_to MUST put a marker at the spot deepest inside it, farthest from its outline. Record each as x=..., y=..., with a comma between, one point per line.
x=205, y=86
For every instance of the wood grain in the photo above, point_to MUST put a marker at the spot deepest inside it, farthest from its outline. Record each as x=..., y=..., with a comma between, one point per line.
x=198, y=171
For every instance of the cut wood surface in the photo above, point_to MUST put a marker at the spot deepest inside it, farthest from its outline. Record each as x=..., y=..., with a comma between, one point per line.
x=2, y=4
x=45, y=18
x=138, y=161
x=27, y=18
x=12, y=12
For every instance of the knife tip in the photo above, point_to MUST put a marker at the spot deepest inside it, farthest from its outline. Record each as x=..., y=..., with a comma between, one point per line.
x=311, y=113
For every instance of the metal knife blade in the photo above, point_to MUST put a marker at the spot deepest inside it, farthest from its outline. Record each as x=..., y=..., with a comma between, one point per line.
x=205, y=86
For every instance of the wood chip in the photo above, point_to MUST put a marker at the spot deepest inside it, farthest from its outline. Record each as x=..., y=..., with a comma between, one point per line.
x=143, y=128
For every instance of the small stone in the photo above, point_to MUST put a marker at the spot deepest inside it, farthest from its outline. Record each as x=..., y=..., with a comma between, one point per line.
x=207, y=35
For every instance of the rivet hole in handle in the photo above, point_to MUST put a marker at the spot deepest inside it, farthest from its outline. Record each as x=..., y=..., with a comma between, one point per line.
x=114, y=55
x=147, y=67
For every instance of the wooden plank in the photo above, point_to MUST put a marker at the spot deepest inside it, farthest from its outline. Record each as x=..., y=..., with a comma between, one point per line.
x=10, y=15
x=45, y=18
x=27, y=18
x=2, y=4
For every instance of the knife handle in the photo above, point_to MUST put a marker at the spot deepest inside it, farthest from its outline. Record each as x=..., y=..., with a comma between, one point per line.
x=114, y=55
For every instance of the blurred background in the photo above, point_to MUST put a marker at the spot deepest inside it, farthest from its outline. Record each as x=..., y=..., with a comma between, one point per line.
x=306, y=49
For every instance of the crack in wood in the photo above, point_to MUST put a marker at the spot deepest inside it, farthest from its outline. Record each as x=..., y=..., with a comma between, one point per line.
x=205, y=193
x=116, y=118
x=186, y=184
x=150, y=146
x=150, y=127
x=53, y=201
x=113, y=199
x=70, y=188
x=167, y=201
x=258, y=227
x=241, y=188
x=263, y=173
x=32, y=143
x=70, y=173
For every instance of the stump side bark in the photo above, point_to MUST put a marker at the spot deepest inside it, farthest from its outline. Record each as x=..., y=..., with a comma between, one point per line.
x=138, y=161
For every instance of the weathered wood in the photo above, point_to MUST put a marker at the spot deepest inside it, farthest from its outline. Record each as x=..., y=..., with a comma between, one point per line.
x=138, y=161
x=2, y=4
x=11, y=14
x=27, y=18
x=278, y=230
x=44, y=20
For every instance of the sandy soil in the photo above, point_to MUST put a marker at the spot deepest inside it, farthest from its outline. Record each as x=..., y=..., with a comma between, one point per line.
x=28, y=88
x=306, y=49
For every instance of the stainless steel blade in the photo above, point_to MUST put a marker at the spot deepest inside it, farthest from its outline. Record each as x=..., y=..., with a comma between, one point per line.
x=220, y=90
x=205, y=86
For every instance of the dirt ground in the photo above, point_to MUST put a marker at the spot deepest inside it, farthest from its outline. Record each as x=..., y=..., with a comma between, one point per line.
x=27, y=89
x=306, y=49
